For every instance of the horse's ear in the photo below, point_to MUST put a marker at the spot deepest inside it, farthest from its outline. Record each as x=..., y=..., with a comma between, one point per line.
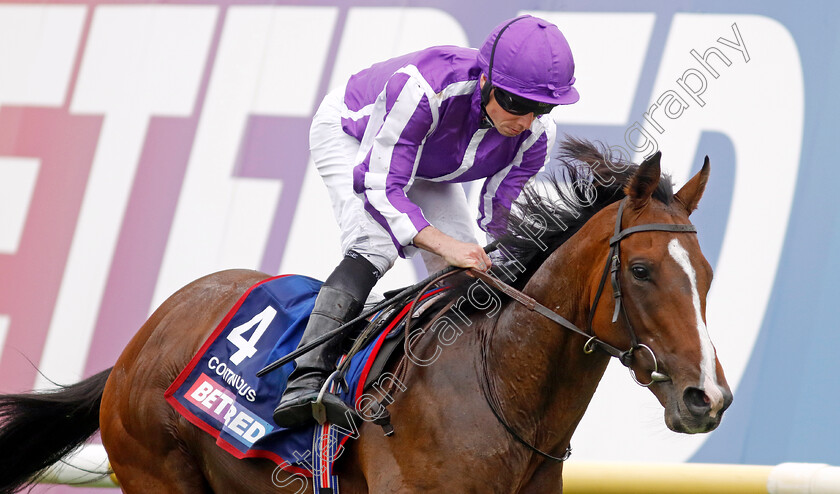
x=644, y=181
x=690, y=193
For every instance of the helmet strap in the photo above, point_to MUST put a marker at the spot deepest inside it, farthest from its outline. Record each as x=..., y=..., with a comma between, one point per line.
x=485, y=93
x=486, y=121
x=488, y=86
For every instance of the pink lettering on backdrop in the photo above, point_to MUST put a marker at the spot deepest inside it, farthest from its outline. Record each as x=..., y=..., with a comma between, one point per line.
x=272, y=147
x=64, y=144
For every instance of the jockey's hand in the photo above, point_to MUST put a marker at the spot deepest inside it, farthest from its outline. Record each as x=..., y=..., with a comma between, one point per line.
x=454, y=252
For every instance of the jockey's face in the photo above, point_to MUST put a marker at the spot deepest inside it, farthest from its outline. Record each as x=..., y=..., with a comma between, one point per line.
x=508, y=124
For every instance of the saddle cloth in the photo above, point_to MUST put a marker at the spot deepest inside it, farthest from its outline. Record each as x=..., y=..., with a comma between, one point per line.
x=218, y=390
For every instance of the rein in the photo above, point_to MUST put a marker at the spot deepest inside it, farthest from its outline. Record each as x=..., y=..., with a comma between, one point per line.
x=613, y=269
x=401, y=296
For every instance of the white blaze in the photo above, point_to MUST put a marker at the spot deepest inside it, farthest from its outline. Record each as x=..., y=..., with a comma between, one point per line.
x=735, y=107
x=708, y=373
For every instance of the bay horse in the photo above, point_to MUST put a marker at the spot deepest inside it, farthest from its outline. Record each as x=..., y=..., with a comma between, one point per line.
x=503, y=395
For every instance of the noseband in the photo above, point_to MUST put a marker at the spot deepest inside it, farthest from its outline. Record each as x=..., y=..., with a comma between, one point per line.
x=612, y=268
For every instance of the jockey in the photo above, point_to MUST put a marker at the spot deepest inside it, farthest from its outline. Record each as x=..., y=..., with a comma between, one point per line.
x=393, y=146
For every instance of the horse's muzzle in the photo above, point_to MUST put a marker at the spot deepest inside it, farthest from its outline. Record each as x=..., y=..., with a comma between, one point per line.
x=698, y=410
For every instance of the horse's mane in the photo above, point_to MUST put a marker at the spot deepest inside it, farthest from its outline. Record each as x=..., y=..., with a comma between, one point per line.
x=588, y=178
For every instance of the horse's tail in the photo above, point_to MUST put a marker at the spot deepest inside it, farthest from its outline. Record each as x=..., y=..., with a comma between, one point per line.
x=38, y=429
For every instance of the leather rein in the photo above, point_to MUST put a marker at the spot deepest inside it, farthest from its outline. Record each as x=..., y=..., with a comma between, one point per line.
x=612, y=269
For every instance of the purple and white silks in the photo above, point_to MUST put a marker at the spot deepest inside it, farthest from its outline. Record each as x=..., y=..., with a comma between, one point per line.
x=418, y=117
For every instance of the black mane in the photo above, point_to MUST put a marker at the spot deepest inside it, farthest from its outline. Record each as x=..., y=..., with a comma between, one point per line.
x=588, y=178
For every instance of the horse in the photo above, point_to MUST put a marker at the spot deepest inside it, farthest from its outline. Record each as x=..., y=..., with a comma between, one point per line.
x=490, y=408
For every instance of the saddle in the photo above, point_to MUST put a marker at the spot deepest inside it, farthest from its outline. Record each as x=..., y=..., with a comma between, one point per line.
x=397, y=318
x=387, y=331
x=220, y=392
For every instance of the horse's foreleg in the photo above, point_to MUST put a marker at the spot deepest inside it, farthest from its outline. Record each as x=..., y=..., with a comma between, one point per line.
x=548, y=477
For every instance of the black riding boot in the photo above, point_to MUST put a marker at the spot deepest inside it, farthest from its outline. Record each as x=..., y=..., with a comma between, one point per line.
x=341, y=298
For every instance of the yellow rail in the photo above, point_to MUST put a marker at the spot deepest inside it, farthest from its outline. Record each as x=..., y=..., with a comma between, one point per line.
x=696, y=478
x=579, y=477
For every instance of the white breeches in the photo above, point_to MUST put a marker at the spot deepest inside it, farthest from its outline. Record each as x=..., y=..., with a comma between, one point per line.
x=443, y=204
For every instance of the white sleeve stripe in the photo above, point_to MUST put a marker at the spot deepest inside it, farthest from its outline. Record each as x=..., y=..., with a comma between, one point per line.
x=550, y=135
x=434, y=107
x=358, y=114
x=492, y=187
x=398, y=118
x=457, y=89
x=416, y=164
x=377, y=118
x=469, y=157
x=400, y=224
x=460, y=89
x=424, y=85
x=381, y=150
x=435, y=100
x=496, y=180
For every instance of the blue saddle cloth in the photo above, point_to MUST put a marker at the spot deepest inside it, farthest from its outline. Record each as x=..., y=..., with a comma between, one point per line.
x=219, y=392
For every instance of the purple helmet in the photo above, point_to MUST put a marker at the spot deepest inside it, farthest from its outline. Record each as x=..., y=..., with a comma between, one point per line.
x=529, y=57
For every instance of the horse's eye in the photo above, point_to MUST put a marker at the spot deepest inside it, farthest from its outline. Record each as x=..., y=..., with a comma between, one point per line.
x=640, y=272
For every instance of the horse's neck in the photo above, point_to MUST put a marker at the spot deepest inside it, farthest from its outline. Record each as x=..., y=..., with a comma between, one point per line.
x=539, y=369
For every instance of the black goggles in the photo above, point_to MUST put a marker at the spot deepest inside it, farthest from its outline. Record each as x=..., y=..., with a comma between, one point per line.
x=517, y=105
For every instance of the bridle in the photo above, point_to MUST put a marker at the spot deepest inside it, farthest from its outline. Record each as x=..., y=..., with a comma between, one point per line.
x=612, y=268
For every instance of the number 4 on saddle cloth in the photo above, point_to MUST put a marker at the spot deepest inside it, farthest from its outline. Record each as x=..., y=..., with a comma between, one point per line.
x=219, y=392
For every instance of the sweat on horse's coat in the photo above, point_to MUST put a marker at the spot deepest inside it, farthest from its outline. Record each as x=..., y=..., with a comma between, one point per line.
x=542, y=378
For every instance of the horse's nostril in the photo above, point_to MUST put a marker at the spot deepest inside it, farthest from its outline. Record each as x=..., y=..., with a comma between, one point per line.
x=727, y=400
x=696, y=400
